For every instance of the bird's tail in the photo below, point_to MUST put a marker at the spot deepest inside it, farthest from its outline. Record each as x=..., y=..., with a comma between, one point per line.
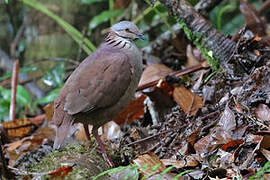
x=64, y=132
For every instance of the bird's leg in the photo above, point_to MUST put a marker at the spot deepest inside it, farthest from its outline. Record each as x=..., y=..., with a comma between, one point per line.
x=86, y=130
x=102, y=148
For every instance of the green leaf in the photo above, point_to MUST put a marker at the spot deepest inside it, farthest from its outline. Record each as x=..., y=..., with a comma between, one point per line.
x=55, y=77
x=23, y=97
x=4, y=110
x=90, y=1
x=50, y=97
x=5, y=93
x=103, y=17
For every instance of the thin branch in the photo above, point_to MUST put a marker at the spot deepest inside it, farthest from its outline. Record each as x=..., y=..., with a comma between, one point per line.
x=14, y=83
x=179, y=73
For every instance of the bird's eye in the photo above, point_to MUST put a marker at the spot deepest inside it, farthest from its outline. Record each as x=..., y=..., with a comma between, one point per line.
x=127, y=30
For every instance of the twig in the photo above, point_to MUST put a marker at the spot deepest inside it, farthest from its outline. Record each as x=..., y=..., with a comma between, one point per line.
x=177, y=74
x=149, y=137
x=14, y=83
x=6, y=83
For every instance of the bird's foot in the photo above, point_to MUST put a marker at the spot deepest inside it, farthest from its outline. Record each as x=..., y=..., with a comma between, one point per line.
x=106, y=156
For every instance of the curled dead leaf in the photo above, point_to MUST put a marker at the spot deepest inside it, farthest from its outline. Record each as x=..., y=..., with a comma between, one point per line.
x=189, y=102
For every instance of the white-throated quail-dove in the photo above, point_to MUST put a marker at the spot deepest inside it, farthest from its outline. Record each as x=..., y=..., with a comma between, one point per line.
x=101, y=86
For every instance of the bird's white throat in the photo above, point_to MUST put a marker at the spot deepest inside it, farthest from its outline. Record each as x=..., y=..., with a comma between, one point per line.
x=118, y=42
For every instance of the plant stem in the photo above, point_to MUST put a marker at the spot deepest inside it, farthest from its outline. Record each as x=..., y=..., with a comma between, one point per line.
x=111, y=4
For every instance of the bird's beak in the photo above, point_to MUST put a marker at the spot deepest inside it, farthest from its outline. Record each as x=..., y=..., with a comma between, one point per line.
x=141, y=36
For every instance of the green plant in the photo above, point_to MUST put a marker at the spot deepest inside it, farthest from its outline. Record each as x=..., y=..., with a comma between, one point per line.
x=259, y=175
x=23, y=100
x=54, y=78
x=135, y=170
x=104, y=16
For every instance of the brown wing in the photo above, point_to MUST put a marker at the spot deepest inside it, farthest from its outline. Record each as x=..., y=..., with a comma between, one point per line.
x=100, y=81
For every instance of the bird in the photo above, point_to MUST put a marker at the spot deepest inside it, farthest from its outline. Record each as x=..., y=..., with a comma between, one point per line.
x=101, y=86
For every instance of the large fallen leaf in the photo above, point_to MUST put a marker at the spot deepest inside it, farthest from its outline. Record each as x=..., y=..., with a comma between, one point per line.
x=265, y=142
x=154, y=72
x=216, y=137
x=133, y=111
x=227, y=120
x=189, y=102
x=149, y=164
x=18, y=128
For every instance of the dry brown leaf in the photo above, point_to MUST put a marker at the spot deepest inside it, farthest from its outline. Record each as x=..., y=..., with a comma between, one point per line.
x=266, y=153
x=265, y=142
x=189, y=161
x=49, y=111
x=173, y=162
x=191, y=59
x=263, y=112
x=18, y=128
x=189, y=102
x=61, y=172
x=133, y=111
x=13, y=146
x=154, y=72
x=38, y=120
x=193, y=137
x=232, y=144
x=151, y=160
x=80, y=133
x=227, y=120
x=216, y=137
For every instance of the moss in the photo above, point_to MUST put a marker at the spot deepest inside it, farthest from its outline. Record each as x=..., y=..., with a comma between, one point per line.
x=196, y=38
x=85, y=162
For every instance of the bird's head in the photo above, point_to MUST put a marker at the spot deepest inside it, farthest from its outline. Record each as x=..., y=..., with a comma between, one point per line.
x=128, y=30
